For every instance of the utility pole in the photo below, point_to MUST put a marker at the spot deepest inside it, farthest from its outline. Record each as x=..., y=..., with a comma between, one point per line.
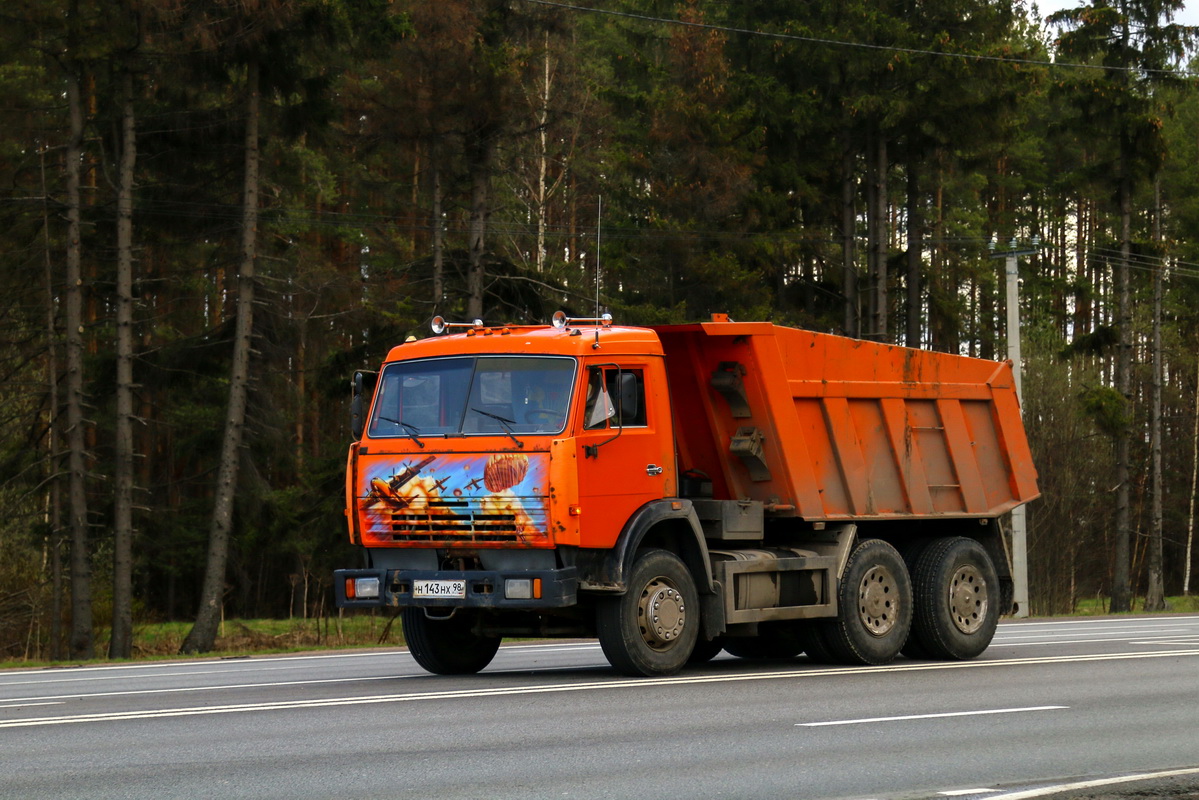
x=1011, y=258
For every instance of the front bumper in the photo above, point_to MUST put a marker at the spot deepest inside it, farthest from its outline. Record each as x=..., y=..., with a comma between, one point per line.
x=484, y=588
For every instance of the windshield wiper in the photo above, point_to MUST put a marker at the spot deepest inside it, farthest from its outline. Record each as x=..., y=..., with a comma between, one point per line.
x=504, y=423
x=410, y=430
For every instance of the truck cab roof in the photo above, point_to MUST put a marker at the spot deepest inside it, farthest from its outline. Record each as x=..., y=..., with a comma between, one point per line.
x=534, y=340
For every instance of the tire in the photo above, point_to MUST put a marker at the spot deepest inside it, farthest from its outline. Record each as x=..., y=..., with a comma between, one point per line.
x=913, y=648
x=447, y=646
x=911, y=551
x=774, y=641
x=874, y=607
x=636, y=640
x=811, y=637
x=957, y=598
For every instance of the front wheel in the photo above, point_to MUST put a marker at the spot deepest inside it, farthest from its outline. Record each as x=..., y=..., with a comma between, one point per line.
x=957, y=594
x=874, y=606
x=449, y=645
x=651, y=629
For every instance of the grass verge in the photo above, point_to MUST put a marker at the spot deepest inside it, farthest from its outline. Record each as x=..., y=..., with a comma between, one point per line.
x=247, y=637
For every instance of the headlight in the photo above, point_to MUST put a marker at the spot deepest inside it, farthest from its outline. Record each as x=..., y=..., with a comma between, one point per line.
x=518, y=589
x=362, y=588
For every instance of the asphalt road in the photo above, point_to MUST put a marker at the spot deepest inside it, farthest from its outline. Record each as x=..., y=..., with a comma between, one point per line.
x=1079, y=701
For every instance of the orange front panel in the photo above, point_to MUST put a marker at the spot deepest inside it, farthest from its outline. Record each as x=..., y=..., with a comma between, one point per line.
x=464, y=500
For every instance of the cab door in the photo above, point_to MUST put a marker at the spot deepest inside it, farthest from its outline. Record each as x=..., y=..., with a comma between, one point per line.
x=625, y=446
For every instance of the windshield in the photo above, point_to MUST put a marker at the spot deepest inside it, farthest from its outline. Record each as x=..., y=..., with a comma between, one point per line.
x=473, y=395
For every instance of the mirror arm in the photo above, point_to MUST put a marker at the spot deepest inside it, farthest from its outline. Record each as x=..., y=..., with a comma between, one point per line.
x=592, y=450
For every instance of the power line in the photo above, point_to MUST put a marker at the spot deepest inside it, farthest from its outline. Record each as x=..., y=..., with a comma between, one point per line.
x=844, y=43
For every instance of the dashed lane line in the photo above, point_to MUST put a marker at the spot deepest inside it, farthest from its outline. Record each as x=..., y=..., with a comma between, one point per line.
x=941, y=715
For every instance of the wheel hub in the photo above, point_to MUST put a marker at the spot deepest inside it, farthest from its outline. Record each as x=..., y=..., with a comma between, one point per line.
x=968, y=599
x=661, y=613
x=878, y=601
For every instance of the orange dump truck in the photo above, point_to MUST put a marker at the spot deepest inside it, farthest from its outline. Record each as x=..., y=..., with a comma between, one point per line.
x=679, y=490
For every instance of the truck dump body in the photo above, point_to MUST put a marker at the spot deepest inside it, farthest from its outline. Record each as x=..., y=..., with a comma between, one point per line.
x=828, y=428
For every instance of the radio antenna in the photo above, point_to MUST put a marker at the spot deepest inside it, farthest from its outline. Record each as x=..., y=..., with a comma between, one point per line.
x=599, y=221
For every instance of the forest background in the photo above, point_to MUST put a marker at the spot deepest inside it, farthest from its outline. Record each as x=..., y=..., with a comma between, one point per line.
x=213, y=211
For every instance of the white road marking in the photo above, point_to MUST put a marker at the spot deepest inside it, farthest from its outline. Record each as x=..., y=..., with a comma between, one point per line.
x=141, y=677
x=508, y=648
x=1093, y=640
x=1169, y=620
x=941, y=715
x=1046, y=791
x=636, y=683
x=1097, y=633
x=250, y=662
x=24, y=704
x=218, y=687
x=260, y=664
x=964, y=792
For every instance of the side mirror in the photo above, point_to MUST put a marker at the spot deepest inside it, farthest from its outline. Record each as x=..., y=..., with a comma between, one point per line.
x=362, y=386
x=628, y=397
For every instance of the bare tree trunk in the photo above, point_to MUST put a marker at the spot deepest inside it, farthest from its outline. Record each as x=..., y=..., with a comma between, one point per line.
x=915, y=256
x=849, y=271
x=438, y=231
x=82, y=645
x=1186, y=564
x=121, y=644
x=1155, y=593
x=1121, y=589
x=479, y=153
x=54, y=486
x=543, y=158
x=868, y=306
x=202, y=636
x=879, y=302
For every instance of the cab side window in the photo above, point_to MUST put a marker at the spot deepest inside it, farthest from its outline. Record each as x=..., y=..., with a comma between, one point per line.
x=615, y=398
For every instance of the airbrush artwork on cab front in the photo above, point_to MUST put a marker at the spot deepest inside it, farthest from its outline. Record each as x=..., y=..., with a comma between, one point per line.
x=497, y=499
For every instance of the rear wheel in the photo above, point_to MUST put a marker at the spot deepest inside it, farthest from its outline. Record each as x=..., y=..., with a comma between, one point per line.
x=911, y=551
x=875, y=606
x=652, y=628
x=449, y=645
x=811, y=638
x=957, y=599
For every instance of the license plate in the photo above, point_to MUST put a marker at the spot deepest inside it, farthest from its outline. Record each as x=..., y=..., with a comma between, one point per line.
x=439, y=589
